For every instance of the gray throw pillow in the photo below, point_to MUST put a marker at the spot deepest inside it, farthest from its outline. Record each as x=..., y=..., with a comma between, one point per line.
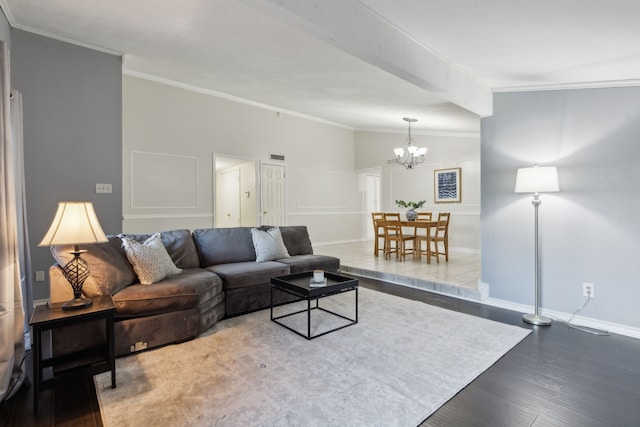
x=150, y=259
x=268, y=244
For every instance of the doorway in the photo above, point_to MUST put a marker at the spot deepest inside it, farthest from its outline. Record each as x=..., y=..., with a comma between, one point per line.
x=235, y=192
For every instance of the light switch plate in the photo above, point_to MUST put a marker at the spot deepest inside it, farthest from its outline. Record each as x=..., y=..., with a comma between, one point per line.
x=103, y=188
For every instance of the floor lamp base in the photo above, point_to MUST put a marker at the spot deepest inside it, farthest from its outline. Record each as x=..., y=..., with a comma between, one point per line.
x=536, y=319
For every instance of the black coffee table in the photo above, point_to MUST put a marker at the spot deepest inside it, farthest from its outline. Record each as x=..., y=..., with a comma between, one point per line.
x=299, y=286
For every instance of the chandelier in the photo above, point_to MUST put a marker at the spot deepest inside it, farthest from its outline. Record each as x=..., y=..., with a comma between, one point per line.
x=410, y=155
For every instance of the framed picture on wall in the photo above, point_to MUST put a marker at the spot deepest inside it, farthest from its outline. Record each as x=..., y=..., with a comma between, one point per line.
x=447, y=187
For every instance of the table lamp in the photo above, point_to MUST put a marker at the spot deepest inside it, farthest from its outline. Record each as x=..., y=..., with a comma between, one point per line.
x=75, y=223
x=536, y=180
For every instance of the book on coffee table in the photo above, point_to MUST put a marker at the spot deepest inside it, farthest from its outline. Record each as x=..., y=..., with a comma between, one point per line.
x=314, y=284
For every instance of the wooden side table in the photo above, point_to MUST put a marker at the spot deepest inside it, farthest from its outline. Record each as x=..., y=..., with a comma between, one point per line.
x=50, y=317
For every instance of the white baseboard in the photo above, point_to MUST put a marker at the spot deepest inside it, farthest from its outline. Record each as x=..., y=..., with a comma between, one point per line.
x=590, y=322
x=339, y=242
x=461, y=250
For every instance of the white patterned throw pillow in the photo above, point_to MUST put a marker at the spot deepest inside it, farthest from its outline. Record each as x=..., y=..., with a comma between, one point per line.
x=150, y=260
x=268, y=244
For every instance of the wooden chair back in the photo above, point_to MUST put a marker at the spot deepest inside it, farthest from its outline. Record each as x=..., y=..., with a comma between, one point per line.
x=377, y=219
x=441, y=236
x=424, y=216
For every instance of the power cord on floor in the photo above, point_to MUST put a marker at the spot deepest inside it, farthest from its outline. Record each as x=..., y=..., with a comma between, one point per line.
x=586, y=329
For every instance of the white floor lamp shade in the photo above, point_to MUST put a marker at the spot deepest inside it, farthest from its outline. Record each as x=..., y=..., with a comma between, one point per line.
x=537, y=180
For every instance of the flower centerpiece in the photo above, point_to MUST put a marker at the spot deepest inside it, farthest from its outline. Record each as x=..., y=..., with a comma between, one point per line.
x=411, y=213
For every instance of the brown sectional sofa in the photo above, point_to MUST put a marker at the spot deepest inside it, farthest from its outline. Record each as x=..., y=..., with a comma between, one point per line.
x=220, y=278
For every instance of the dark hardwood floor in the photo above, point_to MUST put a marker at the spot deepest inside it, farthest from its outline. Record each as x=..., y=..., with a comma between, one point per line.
x=557, y=376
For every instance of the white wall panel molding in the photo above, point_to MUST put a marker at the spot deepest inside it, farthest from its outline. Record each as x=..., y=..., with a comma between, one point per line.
x=317, y=213
x=166, y=216
x=160, y=180
x=322, y=189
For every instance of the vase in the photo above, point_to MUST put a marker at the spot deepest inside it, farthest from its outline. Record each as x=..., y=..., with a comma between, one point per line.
x=411, y=215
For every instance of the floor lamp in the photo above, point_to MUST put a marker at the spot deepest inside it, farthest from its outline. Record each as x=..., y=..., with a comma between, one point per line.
x=537, y=180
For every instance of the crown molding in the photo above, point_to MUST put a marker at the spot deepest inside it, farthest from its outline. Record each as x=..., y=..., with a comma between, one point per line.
x=7, y=13
x=444, y=133
x=568, y=86
x=14, y=25
x=68, y=40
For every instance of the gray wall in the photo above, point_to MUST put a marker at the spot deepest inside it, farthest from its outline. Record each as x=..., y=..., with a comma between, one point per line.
x=589, y=231
x=72, y=133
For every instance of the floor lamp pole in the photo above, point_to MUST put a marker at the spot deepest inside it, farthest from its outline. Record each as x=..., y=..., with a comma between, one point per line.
x=536, y=318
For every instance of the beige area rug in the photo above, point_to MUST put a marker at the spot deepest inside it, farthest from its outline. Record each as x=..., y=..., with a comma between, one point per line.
x=400, y=363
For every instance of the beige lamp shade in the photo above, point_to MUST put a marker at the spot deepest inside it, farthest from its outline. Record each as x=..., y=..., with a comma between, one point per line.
x=537, y=180
x=75, y=223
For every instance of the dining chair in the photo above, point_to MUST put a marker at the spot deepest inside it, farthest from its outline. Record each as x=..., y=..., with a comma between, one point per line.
x=390, y=216
x=396, y=241
x=378, y=232
x=421, y=235
x=440, y=235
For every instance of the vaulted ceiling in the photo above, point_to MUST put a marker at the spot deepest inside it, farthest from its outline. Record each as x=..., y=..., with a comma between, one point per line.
x=361, y=64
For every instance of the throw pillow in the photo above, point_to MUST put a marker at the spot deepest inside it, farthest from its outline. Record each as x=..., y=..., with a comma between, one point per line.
x=150, y=260
x=268, y=244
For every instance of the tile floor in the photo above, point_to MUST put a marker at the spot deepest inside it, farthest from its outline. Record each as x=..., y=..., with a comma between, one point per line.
x=458, y=277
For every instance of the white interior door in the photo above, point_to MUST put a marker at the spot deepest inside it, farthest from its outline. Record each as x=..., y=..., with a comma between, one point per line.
x=228, y=199
x=273, y=195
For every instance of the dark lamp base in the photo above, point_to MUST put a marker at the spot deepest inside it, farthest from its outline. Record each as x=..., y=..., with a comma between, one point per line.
x=77, y=303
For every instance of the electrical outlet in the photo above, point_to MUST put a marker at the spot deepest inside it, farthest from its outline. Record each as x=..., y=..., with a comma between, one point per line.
x=588, y=290
x=39, y=276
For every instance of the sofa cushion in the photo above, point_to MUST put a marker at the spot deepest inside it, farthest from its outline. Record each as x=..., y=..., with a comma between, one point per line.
x=110, y=268
x=268, y=244
x=180, y=292
x=301, y=263
x=242, y=274
x=150, y=259
x=296, y=239
x=179, y=245
x=224, y=245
